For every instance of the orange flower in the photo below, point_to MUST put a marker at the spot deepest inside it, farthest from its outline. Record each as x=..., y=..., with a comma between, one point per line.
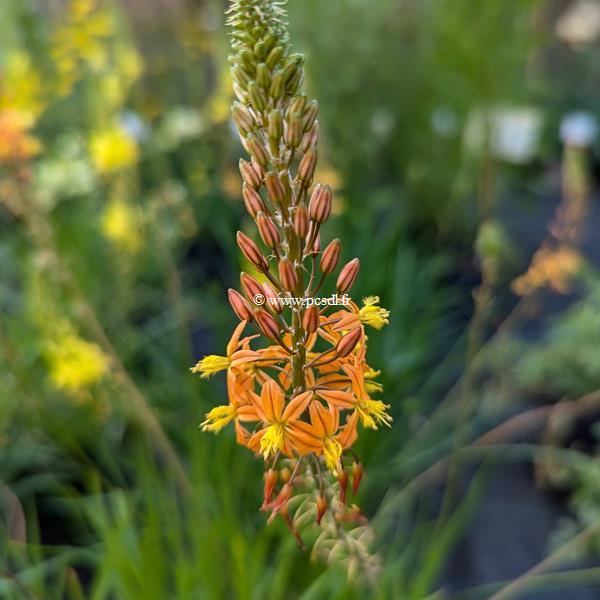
x=371, y=412
x=280, y=432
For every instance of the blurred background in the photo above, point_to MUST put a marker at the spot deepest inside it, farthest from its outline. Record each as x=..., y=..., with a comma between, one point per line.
x=461, y=141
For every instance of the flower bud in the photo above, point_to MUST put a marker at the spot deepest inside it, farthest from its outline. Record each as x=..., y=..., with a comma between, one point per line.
x=310, y=320
x=270, y=481
x=247, y=59
x=319, y=207
x=292, y=65
x=268, y=230
x=251, y=287
x=240, y=305
x=298, y=105
x=277, y=85
x=301, y=221
x=252, y=200
x=274, y=57
x=268, y=325
x=285, y=474
x=275, y=124
x=306, y=168
x=310, y=138
x=275, y=188
x=357, y=473
x=251, y=252
x=348, y=342
x=249, y=174
x=321, y=508
x=240, y=76
x=272, y=298
x=257, y=150
x=311, y=114
x=348, y=276
x=257, y=96
x=242, y=118
x=294, y=130
x=263, y=76
x=287, y=275
x=343, y=480
x=293, y=84
x=259, y=49
x=330, y=257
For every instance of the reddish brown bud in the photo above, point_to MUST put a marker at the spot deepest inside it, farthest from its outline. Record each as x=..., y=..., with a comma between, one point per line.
x=251, y=287
x=270, y=481
x=251, y=252
x=348, y=342
x=280, y=504
x=275, y=188
x=272, y=298
x=242, y=118
x=268, y=230
x=252, y=200
x=311, y=137
x=257, y=150
x=319, y=207
x=348, y=276
x=330, y=257
x=301, y=221
x=306, y=168
x=299, y=104
x=310, y=115
x=310, y=320
x=240, y=305
x=321, y=508
x=249, y=174
x=357, y=473
x=268, y=325
x=287, y=275
x=343, y=479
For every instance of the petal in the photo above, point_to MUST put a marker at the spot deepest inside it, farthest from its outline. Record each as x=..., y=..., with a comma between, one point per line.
x=302, y=437
x=337, y=398
x=234, y=342
x=256, y=400
x=324, y=421
x=348, y=433
x=247, y=413
x=297, y=406
x=272, y=400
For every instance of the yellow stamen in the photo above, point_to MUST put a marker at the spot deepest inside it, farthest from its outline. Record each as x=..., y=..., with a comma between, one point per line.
x=272, y=439
x=373, y=315
x=210, y=365
x=217, y=418
x=373, y=413
x=332, y=451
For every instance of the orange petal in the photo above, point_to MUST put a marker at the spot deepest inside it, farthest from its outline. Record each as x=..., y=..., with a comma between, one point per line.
x=324, y=421
x=348, y=433
x=247, y=412
x=337, y=398
x=234, y=342
x=297, y=406
x=272, y=400
x=302, y=437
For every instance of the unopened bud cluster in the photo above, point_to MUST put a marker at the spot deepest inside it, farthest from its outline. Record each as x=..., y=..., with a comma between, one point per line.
x=304, y=396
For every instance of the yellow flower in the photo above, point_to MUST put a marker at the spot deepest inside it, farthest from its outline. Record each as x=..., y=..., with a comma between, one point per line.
x=210, y=365
x=218, y=417
x=75, y=364
x=120, y=224
x=373, y=315
x=21, y=87
x=112, y=150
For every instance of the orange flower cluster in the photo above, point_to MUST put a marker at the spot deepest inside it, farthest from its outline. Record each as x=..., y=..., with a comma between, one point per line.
x=304, y=394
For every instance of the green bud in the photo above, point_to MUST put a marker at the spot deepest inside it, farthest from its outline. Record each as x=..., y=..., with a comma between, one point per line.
x=277, y=85
x=298, y=105
x=257, y=96
x=240, y=76
x=293, y=85
x=311, y=114
x=242, y=118
x=293, y=133
x=275, y=125
x=263, y=76
x=257, y=150
x=274, y=57
x=260, y=50
x=247, y=60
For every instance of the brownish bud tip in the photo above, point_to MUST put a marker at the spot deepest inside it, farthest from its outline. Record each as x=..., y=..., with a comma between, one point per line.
x=249, y=174
x=268, y=324
x=348, y=342
x=287, y=275
x=298, y=104
x=310, y=115
x=343, y=480
x=268, y=230
x=331, y=256
x=252, y=200
x=306, y=168
x=242, y=118
x=301, y=221
x=275, y=188
x=251, y=252
x=310, y=320
x=319, y=207
x=357, y=473
x=257, y=150
x=251, y=287
x=272, y=298
x=348, y=276
x=321, y=508
x=240, y=305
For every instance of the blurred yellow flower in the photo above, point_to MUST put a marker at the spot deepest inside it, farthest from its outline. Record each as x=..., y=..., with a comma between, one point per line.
x=20, y=86
x=16, y=144
x=112, y=150
x=74, y=363
x=121, y=225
